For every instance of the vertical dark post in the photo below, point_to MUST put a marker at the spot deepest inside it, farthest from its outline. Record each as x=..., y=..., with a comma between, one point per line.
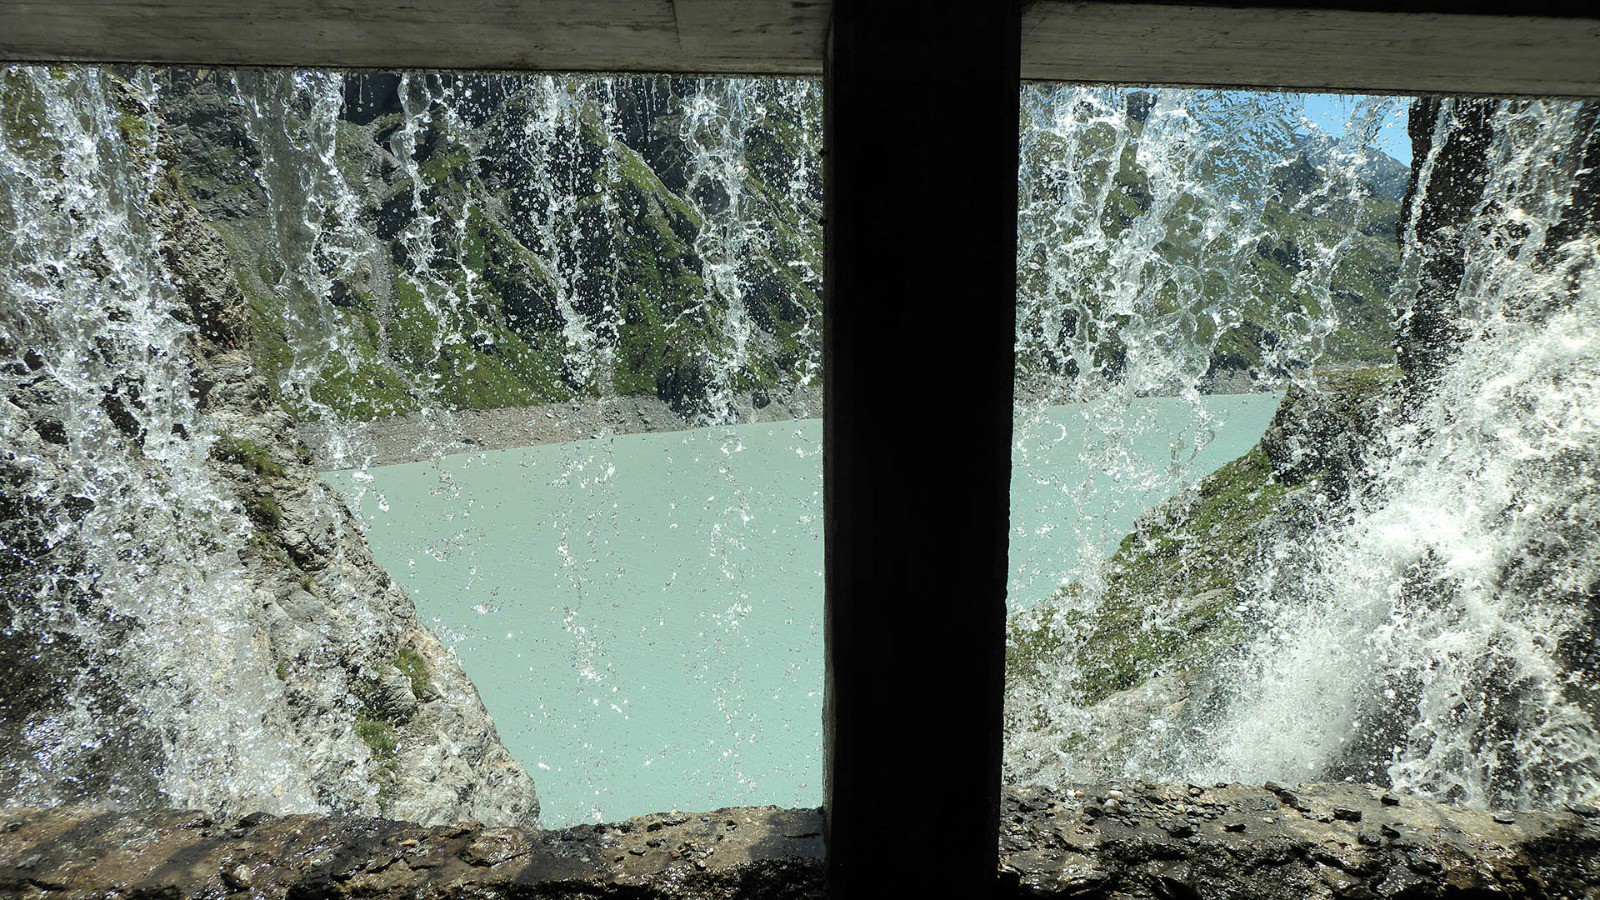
x=921, y=228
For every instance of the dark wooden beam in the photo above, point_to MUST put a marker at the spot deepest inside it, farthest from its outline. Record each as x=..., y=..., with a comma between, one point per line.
x=921, y=137
x=781, y=37
x=1405, y=46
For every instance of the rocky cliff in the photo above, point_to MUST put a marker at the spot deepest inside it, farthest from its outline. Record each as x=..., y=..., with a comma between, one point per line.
x=1401, y=558
x=426, y=242
x=187, y=615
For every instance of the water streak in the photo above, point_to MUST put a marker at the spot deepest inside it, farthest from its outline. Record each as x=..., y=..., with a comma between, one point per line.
x=1434, y=632
x=133, y=561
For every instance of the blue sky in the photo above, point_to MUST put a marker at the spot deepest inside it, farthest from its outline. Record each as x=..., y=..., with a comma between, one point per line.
x=1330, y=111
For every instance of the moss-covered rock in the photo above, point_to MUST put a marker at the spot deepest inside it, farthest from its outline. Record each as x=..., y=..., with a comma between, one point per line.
x=1168, y=596
x=258, y=459
x=264, y=510
x=414, y=666
x=1168, y=605
x=1324, y=434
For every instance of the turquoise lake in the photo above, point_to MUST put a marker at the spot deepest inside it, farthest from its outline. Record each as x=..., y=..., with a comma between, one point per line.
x=642, y=614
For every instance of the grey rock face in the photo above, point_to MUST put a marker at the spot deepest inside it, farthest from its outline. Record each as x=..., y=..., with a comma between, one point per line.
x=1428, y=331
x=1327, y=435
x=1315, y=841
x=435, y=755
x=369, y=709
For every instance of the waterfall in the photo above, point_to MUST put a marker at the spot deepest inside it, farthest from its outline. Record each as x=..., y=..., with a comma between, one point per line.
x=199, y=270
x=196, y=618
x=1174, y=243
x=125, y=601
x=1424, y=621
x=718, y=126
x=316, y=240
x=523, y=215
x=1439, y=637
x=190, y=617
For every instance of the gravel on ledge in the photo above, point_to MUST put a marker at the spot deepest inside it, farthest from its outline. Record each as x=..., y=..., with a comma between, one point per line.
x=1122, y=841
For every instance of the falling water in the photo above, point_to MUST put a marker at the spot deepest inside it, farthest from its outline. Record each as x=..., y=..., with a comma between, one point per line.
x=553, y=248
x=564, y=248
x=1148, y=222
x=1434, y=632
x=127, y=556
x=1439, y=638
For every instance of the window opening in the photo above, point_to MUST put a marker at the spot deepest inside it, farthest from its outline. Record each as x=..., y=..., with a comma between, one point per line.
x=1389, y=583
x=556, y=342
x=370, y=270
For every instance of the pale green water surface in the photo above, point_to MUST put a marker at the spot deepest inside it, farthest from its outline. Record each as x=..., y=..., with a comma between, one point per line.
x=643, y=613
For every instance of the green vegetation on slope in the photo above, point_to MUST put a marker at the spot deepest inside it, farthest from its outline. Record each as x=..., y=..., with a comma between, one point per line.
x=247, y=453
x=1168, y=601
x=412, y=665
x=591, y=234
x=1185, y=560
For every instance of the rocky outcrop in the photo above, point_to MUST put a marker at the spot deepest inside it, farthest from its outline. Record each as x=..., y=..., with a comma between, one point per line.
x=1144, y=649
x=357, y=709
x=1580, y=215
x=1451, y=143
x=1450, y=178
x=363, y=679
x=1128, y=842
x=1552, y=569
x=1325, y=435
x=342, y=635
x=1308, y=843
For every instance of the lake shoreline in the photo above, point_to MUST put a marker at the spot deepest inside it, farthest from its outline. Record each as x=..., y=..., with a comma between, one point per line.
x=642, y=614
x=433, y=434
